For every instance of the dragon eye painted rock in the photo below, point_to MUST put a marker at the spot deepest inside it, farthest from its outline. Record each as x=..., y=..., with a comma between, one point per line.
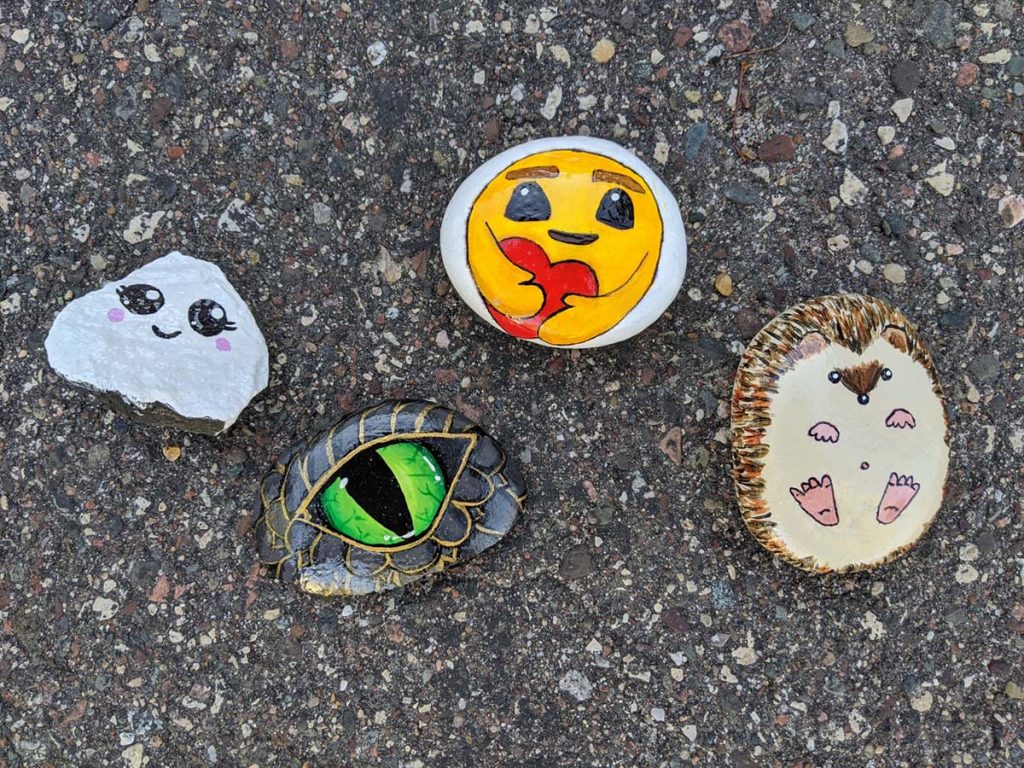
x=567, y=242
x=839, y=434
x=384, y=497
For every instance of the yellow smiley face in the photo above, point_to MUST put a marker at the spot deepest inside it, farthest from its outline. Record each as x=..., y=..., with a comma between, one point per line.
x=563, y=244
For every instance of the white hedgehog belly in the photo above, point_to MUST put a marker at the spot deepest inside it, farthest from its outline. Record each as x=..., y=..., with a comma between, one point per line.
x=859, y=464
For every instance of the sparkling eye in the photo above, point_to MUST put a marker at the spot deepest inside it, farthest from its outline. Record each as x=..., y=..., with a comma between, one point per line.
x=616, y=209
x=834, y=376
x=386, y=496
x=208, y=318
x=528, y=203
x=886, y=374
x=140, y=299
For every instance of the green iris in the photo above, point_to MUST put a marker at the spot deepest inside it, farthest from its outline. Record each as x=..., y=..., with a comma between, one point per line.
x=385, y=496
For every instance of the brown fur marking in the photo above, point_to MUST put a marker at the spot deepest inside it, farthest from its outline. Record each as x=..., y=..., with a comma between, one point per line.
x=861, y=379
x=851, y=320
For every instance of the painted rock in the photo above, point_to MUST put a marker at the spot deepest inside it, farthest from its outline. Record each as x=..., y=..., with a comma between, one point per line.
x=839, y=434
x=172, y=343
x=385, y=496
x=566, y=242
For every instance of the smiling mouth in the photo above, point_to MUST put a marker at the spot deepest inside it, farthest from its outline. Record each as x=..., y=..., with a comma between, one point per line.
x=163, y=335
x=572, y=238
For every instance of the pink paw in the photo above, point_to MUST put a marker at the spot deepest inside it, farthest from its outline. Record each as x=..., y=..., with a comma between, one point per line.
x=900, y=419
x=899, y=492
x=817, y=499
x=824, y=432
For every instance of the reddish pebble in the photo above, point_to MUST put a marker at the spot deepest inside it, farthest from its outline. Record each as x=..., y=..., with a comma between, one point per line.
x=122, y=65
x=289, y=49
x=736, y=36
x=967, y=75
x=777, y=149
x=175, y=153
x=682, y=36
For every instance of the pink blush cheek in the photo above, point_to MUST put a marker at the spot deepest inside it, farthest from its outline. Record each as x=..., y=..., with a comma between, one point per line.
x=115, y=315
x=223, y=345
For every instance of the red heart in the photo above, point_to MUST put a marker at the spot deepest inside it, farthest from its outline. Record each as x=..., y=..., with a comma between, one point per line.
x=556, y=281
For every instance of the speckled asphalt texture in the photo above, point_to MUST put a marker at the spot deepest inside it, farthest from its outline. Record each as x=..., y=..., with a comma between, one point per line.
x=629, y=619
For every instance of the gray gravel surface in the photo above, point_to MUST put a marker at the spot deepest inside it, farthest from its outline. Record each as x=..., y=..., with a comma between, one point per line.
x=629, y=619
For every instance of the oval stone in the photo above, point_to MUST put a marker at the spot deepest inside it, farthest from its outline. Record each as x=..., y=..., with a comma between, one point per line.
x=566, y=242
x=382, y=499
x=839, y=434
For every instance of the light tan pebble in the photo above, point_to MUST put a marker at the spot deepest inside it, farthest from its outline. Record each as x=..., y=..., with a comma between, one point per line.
x=903, y=109
x=603, y=51
x=723, y=283
x=894, y=273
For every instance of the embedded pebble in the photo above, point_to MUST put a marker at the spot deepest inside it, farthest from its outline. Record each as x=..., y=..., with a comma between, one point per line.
x=838, y=137
x=576, y=684
x=603, y=51
x=903, y=109
x=852, y=191
x=886, y=133
x=895, y=273
x=940, y=180
x=1011, y=210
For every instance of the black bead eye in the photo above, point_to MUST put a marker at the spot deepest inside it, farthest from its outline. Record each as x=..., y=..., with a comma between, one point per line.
x=886, y=374
x=528, y=203
x=835, y=377
x=616, y=209
x=208, y=318
x=140, y=299
x=863, y=399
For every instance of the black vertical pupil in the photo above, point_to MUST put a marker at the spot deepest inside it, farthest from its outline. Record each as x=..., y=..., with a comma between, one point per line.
x=208, y=318
x=528, y=203
x=616, y=209
x=374, y=486
x=140, y=298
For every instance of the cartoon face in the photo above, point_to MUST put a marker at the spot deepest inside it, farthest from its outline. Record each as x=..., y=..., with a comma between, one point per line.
x=854, y=456
x=173, y=332
x=565, y=242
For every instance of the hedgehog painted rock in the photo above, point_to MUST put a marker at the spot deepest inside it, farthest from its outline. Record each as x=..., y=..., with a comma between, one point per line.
x=384, y=497
x=839, y=433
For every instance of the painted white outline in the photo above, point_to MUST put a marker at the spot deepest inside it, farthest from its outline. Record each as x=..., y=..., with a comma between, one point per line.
x=671, y=267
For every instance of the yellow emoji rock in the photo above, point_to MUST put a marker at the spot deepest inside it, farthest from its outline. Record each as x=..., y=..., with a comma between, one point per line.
x=565, y=242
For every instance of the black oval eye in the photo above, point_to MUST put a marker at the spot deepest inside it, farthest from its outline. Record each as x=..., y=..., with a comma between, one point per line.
x=886, y=374
x=863, y=399
x=208, y=318
x=616, y=209
x=140, y=299
x=835, y=377
x=528, y=203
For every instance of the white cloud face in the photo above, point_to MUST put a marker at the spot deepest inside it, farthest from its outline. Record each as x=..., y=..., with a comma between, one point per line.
x=173, y=332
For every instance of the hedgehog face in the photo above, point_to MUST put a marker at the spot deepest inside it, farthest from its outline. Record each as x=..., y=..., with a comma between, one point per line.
x=840, y=442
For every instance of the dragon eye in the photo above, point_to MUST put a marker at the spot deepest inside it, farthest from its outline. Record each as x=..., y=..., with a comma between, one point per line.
x=528, y=203
x=834, y=376
x=140, y=298
x=616, y=209
x=385, y=496
x=886, y=374
x=208, y=318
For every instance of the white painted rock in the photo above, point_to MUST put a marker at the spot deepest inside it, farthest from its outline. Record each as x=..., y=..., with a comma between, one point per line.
x=839, y=435
x=566, y=242
x=172, y=341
